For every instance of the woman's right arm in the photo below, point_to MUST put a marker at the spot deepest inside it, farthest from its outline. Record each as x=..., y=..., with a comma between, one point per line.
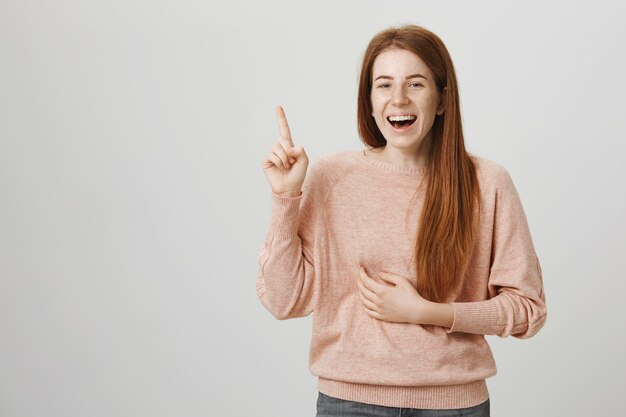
x=285, y=282
x=286, y=272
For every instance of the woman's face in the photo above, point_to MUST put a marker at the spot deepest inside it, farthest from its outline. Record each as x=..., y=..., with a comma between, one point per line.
x=403, y=88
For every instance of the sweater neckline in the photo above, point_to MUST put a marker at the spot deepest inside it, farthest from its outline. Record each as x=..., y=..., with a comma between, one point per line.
x=392, y=167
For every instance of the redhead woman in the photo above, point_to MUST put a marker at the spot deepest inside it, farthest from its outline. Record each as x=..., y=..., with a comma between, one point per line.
x=408, y=252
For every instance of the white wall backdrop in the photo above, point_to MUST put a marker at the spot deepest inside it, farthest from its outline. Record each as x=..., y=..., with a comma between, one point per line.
x=133, y=203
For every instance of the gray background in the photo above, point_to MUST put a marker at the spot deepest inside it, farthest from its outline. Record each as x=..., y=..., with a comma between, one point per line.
x=133, y=203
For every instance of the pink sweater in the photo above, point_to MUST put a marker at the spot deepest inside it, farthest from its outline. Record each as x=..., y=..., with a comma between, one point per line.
x=354, y=211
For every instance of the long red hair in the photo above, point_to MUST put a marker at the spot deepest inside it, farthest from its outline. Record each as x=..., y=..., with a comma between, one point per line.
x=452, y=203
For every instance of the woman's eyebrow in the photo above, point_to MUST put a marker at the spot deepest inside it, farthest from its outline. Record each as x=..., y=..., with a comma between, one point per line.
x=387, y=77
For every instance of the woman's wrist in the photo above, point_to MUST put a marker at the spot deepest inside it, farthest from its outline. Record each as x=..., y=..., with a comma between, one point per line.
x=289, y=194
x=438, y=314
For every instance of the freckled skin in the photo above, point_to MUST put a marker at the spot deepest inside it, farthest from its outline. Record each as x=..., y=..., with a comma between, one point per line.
x=400, y=95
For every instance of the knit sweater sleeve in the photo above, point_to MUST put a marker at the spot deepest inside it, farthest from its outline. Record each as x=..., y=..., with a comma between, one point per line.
x=286, y=274
x=517, y=304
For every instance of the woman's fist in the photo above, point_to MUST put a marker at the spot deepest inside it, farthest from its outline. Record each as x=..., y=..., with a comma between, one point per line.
x=285, y=165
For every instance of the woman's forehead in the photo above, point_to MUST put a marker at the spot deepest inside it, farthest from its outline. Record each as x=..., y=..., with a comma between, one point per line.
x=399, y=62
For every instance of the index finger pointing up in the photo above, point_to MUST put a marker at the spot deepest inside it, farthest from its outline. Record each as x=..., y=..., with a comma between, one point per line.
x=283, y=125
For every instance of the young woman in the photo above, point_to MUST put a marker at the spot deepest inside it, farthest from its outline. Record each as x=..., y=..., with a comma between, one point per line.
x=407, y=253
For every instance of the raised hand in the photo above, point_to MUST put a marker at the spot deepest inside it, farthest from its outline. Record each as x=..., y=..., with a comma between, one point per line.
x=285, y=165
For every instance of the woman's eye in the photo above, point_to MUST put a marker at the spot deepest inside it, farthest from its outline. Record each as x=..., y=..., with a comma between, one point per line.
x=412, y=84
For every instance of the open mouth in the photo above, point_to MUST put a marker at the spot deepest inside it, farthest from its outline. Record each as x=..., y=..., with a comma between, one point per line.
x=400, y=122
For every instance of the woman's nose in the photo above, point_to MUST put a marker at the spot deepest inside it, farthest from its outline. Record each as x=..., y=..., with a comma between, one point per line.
x=400, y=97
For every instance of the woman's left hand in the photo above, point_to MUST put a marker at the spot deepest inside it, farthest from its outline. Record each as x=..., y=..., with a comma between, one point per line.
x=397, y=302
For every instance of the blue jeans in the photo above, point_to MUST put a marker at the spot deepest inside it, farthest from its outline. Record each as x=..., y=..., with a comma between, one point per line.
x=335, y=407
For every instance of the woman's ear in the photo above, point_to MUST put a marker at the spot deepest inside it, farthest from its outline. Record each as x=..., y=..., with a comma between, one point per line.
x=442, y=102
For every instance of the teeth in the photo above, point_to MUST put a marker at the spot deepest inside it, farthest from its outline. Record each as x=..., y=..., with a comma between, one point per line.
x=400, y=118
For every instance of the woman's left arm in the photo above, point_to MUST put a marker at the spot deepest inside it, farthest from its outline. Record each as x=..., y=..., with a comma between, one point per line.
x=519, y=307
